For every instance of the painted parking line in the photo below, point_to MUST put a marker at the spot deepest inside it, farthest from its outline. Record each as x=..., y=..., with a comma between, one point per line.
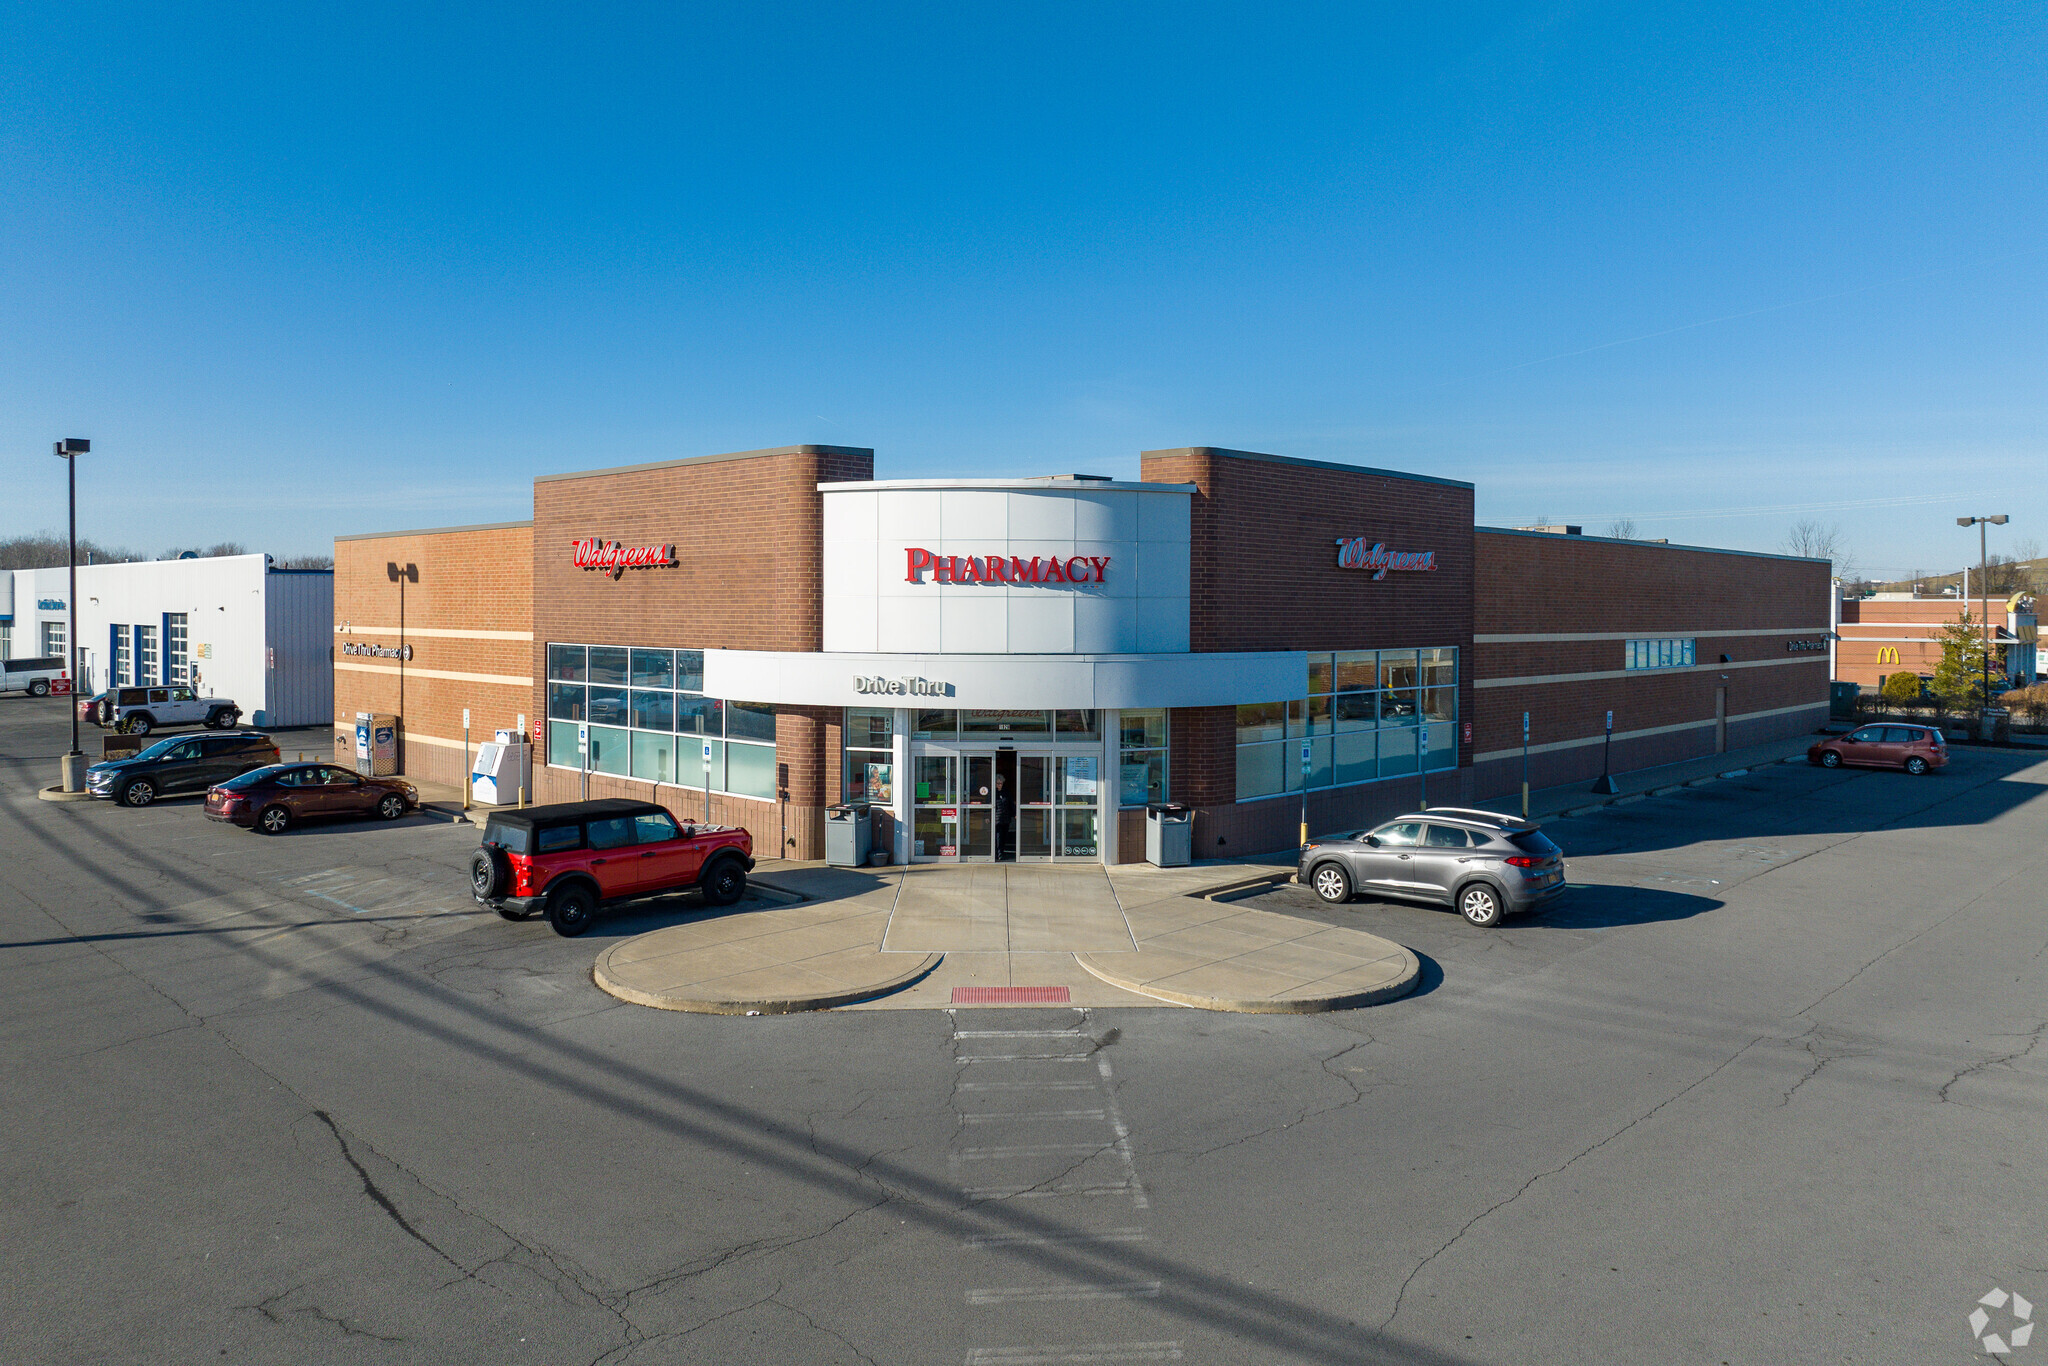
x=1061, y=1294
x=1063, y=1353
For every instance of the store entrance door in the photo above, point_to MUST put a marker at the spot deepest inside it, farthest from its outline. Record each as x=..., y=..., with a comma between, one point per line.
x=1043, y=807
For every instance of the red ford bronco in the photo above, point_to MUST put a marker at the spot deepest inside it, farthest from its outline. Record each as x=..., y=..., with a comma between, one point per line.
x=571, y=858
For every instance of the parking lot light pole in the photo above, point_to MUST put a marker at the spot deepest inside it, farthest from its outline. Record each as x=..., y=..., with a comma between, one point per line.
x=1984, y=589
x=68, y=450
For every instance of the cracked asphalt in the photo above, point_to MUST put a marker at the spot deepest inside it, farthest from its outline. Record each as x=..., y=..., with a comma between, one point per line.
x=1768, y=1086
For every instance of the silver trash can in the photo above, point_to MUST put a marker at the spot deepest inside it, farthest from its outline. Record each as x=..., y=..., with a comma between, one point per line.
x=849, y=831
x=1169, y=835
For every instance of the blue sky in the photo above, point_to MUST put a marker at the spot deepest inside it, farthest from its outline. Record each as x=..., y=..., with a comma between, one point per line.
x=301, y=271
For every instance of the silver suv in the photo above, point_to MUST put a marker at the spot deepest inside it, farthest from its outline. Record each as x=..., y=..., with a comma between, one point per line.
x=1486, y=864
x=138, y=711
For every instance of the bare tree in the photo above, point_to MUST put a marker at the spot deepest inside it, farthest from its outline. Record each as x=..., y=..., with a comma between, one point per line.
x=1813, y=540
x=1622, y=528
x=47, y=550
x=306, y=562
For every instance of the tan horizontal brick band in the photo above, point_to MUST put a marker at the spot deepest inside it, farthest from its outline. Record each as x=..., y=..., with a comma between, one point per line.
x=1489, y=755
x=506, y=679
x=442, y=632
x=1535, y=679
x=1647, y=633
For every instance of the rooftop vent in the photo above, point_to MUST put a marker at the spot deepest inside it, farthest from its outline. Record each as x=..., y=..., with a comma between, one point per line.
x=1557, y=530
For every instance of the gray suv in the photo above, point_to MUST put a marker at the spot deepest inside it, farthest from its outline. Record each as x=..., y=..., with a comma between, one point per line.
x=1486, y=864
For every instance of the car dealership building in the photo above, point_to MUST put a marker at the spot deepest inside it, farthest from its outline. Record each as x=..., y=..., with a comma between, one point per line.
x=763, y=635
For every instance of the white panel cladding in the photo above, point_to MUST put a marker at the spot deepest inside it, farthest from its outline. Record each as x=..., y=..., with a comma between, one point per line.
x=1006, y=680
x=1140, y=605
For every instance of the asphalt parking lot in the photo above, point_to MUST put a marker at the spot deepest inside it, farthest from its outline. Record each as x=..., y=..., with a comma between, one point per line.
x=1767, y=1086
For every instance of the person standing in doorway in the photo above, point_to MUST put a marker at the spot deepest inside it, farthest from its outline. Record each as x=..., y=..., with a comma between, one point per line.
x=1005, y=809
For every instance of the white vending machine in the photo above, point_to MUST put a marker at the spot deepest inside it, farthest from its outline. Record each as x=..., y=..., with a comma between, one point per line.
x=503, y=768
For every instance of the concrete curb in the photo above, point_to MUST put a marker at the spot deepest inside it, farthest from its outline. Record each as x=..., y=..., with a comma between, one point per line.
x=57, y=793
x=763, y=1006
x=1242, y=887
x=1266, y=1005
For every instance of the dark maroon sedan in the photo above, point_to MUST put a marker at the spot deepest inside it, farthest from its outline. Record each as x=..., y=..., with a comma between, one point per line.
x=276, y=798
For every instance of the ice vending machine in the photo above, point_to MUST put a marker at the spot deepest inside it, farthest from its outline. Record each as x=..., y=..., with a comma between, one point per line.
x=503, y=767
x=376, y=744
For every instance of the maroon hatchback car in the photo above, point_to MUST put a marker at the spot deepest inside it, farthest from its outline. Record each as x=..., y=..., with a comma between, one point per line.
x=1913, y=748
x=276, y=798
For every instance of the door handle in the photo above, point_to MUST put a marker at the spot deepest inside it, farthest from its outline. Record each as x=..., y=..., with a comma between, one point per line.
x=648, y=854
x=1407, y=856
x=594, y=862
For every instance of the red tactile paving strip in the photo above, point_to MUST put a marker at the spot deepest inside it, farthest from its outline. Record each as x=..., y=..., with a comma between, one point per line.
x=1010, y=996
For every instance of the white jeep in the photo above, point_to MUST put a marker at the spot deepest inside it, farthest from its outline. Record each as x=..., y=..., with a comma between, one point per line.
x=138, y=711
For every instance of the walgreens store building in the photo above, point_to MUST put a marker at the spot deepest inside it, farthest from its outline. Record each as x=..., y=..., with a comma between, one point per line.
x=760, y=636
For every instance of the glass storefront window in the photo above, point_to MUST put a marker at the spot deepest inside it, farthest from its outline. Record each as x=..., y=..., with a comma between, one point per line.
x=608, y=706
x=562, y=745
x=935, y=725
x=1357, y=671
x=1003, y=722
x=750, y=770
x=1397, y=668
x=566, y=663
x=1360, y=718
x=565, y=702
x=1319, y=674
x=1141, y=768
x=610, y=750
x=1259, y=770
x=700, y=715
x=653, y=710
x=1261, y=721
x=1077, y=725
x=1357, y=757
x=869, y=774
x=654, y=668
x=869, y=727
x=654, y=756
x=749, y=721
x=639, y=728
x=690, y=670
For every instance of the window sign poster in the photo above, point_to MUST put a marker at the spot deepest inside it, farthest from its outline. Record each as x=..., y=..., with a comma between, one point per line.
x=1081, y=775
x=1136, y=784
x=881, y=783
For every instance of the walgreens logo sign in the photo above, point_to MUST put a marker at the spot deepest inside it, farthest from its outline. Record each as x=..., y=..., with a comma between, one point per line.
x=615, y=558
x=1004, y=568
x=1360, y=552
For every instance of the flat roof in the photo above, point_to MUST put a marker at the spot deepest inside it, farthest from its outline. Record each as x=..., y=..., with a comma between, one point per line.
x=1644, y=545
x=706, y=460
x=1307, y=464
x=1049, y=482
x=433, y=531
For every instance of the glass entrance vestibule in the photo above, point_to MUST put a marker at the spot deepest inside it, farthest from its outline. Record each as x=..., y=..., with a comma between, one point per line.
x=1004, y=803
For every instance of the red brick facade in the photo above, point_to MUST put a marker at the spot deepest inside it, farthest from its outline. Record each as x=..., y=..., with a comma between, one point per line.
x=1263, y=575
x=1552, y=619
x=748, y=535
x=1884, y=637
x=1541, y=624
x=466, y=611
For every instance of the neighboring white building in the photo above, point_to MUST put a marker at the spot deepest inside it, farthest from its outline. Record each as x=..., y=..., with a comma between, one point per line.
x=231, y=625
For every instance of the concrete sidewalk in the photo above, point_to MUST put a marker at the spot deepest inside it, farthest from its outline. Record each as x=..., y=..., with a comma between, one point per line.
x=1572, y=798
x=1005, y=934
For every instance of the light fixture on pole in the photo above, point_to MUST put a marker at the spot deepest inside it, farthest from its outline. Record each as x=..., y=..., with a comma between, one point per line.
x=1984, y=588
x=68, y=450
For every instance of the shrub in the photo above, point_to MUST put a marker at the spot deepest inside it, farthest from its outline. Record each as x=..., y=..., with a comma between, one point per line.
x=1901, y=687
